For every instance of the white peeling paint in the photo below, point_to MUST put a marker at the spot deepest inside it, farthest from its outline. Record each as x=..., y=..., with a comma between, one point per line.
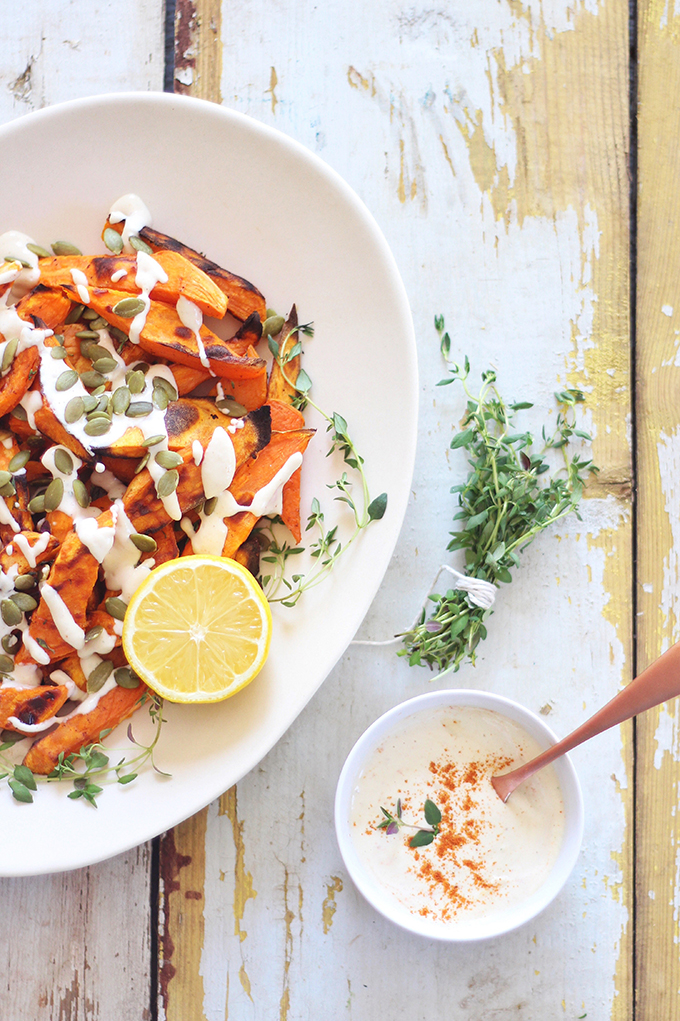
x=667, y=736
x=668, y=452
x=667, y=310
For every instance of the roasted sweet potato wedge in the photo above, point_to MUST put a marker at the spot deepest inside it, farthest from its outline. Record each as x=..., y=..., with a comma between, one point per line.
x=280, y=388
x=32, y=705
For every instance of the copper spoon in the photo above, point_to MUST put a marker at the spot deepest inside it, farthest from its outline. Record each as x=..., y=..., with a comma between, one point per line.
x=658, y=683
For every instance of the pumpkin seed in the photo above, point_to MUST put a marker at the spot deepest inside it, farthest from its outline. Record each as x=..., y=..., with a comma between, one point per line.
x=94, y=351
x=91, y=379
x=98, y=414
x=88, y=335
x=107, y=364
x=99, y=390
x=89, y=313
x=142, y=367
x=63, y=461
x=59, y=337
x=125, y=677
x=98, y=324
x=167, y=483
x=66, y=380
x=5, y=477
x=54, y=494
x=139, y=244
x=231, y=407
x=128, y=308
x=168, y=459
x=209, y=506
x=151, y=441
x=160, y=398
x=10, y=613
x=81, y=494
x=98, y=426
x=139, y=409
x=166, y=385
x=89, y=403
x=114, y=606
x=10, y=643
x=6, y=665
x=24, y=582
x=120, y=401
x=99, y=675
x=58, y=352
x=145, y=543
x=25, y=602
x=143, y=463
x=37, y=504
x=19, y=461
x=7, y=490
x=42, y=253
x=103, y=403
x=20, y=413
x=74, y=410
x=113, y=240
x=272, y=325
x=9, y=352
x=135, y=381
x=270, y=312
x=65, y=248
x=93, y=633
x=75, y=314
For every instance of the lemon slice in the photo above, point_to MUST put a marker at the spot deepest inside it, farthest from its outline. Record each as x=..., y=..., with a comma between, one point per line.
x=197, y=629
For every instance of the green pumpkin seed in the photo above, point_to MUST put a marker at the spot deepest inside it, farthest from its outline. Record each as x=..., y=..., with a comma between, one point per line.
x=97, y=414
x=142, y=367
x=5, y=477
x=139, y=244
x=209, y=506
x=113, y=240
x=66, y=380
x=59, y=337
x=98, y=391
x=99, y=675
x=151, y=441
x=231, y=407
x=98, y=426
x=54, y=494
x=120, y=401
x=125, y=677
x=10, y=643
x=63, y=461
x=168, y=459
x=10, y=613
x=58, y=352
x=81, y=494
x=7, y=490
x=272, y=325
x=160, y=398
x=65, y=248
x=9, y=352
x=24, y=582
x=74, y=410
x=166, y=385
x=94, y=351
x=118, y=335
x=103, y=365
x=270, y=312
x=143, y=463
x=88, y=335
x=37, y=504
x=93, y=633
x=135, y=381
x=25, y=602
x=6, y=665
x=139, y=409
x=128, y=308
x=103, y=403
x=20, y=413
x=19, y=461
x=99, y=324
x=89, y=403
x=144, y=543
x=91, y=379
x=167, y=483
x=114, y=606
x=75, y=314
x=42, y=253
x=88, y=314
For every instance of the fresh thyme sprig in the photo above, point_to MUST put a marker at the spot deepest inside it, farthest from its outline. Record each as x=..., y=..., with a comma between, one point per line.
x=424, y=836
x=88, y=768
x=510, y=495
x=326, y=547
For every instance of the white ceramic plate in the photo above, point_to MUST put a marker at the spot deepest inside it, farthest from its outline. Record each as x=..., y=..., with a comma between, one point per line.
x=266, y=208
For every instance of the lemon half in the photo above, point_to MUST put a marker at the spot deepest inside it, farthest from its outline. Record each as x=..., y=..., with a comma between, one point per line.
x=197, y=629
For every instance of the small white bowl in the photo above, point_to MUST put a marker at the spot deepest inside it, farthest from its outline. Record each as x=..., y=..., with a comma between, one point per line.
x=476, y=928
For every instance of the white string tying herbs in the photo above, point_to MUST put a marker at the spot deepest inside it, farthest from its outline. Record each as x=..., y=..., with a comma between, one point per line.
x=481, y=593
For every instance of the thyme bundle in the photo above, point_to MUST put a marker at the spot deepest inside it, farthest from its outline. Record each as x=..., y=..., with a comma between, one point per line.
x=510, y=495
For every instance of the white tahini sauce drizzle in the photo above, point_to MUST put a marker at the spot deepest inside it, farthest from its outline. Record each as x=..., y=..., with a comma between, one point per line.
x=68, y=505
x=14, y=246
x=31, y=553
x=197, y=451
x=118, y=275
x=149, y=273
x=130, y=209
x=6, y=516
x=31, y=402
x=192, y=317
x=63, y=619
x=80, y=280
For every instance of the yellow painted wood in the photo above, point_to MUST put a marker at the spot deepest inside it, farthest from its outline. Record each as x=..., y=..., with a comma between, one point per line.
x=658, y=415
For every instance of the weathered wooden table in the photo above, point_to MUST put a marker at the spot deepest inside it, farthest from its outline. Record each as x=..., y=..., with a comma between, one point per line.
x=520, y=158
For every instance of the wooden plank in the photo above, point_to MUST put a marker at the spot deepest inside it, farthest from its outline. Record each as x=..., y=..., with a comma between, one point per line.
x=658, y=415
x=502, y=188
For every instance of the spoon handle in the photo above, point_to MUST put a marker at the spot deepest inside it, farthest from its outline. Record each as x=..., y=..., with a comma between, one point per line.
x=658, y=683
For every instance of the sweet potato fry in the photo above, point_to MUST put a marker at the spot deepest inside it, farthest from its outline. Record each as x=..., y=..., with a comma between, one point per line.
x=50, y=307
x=8, y=560
x=22, y=372
x=32, y=705
x=279, y=388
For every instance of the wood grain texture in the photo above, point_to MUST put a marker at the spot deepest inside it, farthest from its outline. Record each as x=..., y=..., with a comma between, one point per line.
x=501, y=185
x=658, y=415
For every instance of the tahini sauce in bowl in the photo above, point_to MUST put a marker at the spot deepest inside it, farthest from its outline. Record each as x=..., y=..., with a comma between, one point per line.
x=491, y=866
